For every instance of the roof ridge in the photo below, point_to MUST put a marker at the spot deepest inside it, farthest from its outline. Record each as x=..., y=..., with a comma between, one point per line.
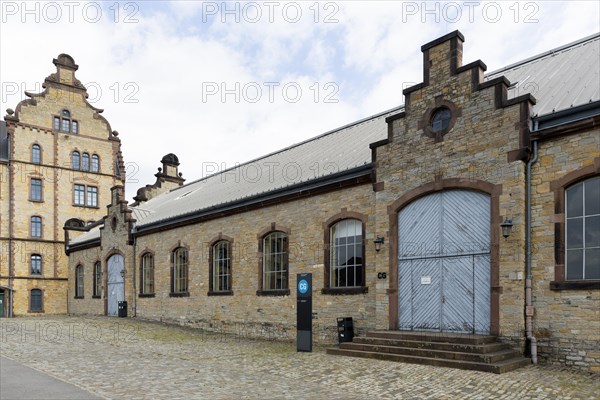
x=578, y=42
x=327, y=133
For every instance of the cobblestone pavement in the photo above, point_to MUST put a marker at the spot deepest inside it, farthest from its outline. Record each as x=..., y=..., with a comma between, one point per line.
x=132, y=359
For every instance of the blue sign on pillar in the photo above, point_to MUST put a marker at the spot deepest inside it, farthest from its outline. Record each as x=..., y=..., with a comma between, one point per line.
x=304, y=312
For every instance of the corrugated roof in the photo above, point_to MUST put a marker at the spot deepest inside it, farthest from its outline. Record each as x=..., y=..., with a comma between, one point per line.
x=90, y=235
x=565, y=77
x=336, y=151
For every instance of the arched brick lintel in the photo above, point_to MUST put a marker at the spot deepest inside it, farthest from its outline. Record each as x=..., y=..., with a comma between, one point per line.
x=494, y=191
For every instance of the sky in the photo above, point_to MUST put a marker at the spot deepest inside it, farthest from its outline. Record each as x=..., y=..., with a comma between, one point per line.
x=219, y=83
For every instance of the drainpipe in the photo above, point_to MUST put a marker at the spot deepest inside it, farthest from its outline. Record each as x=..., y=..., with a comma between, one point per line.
x=528, y=279
x=11, y=292
x=134, y=294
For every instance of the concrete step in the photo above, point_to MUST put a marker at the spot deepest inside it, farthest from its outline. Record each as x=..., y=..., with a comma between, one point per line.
x=460, y=347
x=497, y=367
x=488, y=358
x=433, y=337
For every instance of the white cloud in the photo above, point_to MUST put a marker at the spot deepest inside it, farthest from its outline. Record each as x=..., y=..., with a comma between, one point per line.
x=175, y=50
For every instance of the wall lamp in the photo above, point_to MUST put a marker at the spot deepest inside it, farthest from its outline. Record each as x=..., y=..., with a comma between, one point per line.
x=506, y=227
x=378, y=242
x=123, y=272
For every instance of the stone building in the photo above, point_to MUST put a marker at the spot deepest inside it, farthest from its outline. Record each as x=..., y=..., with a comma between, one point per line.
x=472, y=208
x=58, y=160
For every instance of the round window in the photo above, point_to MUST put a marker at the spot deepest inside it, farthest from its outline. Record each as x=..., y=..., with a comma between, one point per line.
x=440, y=121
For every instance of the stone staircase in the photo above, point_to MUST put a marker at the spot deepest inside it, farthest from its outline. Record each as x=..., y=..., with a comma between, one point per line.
x=464, y=351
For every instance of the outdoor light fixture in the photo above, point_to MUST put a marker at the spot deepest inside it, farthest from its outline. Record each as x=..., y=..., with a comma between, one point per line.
x=378, y=242
x=506, y=227
x=123, y=272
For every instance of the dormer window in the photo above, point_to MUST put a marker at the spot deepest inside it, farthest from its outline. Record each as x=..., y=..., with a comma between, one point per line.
x=64, y=123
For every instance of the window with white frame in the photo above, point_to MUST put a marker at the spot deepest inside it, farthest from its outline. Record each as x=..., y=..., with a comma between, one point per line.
x=79, y=195
x=35, y=262
x=275, y=261
x=346, y=254
x=35, y=226
x=583, y=230
x=221, y=266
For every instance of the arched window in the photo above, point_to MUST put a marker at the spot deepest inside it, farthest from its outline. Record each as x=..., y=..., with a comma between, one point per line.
x=97, y=279
x=221, y=267
x=75, y=160
x=79, y=282
x=275, y=262
x=95, y=163
x=85, y=162
x=179, y=276
x=346, y=254
x=36, y=154
x=582, y=233
x=35, y=226
x=36, y=303
x=66, y=121
x=35, y=263
x=440, y=119
x=147, y=274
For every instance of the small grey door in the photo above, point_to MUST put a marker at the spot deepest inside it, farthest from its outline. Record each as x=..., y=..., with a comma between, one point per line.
x=115, y=284
x=444, y=263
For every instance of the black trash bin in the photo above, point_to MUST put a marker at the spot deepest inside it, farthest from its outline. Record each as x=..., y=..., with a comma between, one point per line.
x=122, y=309
x=345, y=329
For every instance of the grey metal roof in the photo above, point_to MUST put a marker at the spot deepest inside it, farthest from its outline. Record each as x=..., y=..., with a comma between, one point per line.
x=3, y=141
x=565, y=77
x=336, y=151
x=88, y=236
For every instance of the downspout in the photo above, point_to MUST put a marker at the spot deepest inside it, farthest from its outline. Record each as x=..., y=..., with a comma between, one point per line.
x=134, y=294
x=528, y=279
x=10, y=227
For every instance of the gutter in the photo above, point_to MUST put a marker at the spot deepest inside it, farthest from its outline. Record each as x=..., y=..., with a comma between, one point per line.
x=10, y=226
x=566, y=116
x=529, y=310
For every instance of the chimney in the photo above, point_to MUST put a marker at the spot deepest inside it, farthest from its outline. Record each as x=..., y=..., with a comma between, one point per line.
x=167, y=178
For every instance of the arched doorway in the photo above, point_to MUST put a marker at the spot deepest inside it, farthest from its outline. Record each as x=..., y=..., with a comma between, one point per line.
x=115, y=284
x=444, y=266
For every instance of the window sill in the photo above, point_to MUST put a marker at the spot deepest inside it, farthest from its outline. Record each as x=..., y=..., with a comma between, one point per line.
x=96, y=297
x=84, y=206
x=575, y=285
x=147, y=295
x=36, y=201
x=348, y=290
x=276, y=292
x=36, y=311
x=79, y=297
x=221, y=293
x=182, y=294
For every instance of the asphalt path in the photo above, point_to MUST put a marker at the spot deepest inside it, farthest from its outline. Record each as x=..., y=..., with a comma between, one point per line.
x=18, y=382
